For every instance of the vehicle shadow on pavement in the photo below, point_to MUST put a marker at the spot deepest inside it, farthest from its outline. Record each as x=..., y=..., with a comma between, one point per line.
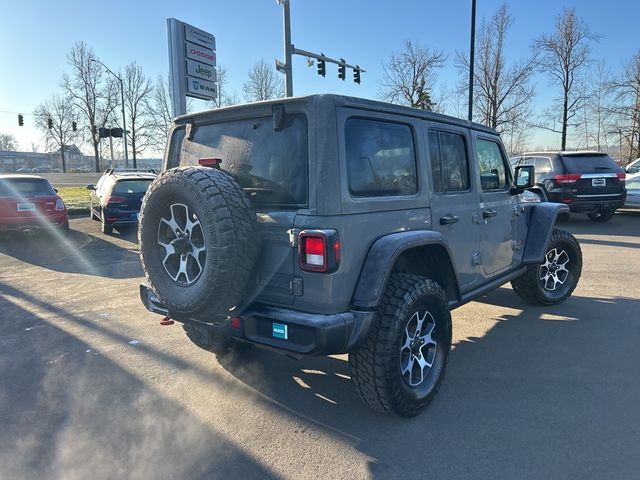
x=624, y=223
x=76, y=253
x=68, y=411
x=544, y=391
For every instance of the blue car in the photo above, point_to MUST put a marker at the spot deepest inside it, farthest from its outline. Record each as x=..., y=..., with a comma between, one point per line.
x=116, y=198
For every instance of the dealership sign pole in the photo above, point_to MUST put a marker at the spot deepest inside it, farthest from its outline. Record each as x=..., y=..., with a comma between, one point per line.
x=192, y=64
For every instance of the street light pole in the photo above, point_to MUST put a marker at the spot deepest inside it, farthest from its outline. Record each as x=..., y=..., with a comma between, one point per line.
x=124, y=118
x=471, y=57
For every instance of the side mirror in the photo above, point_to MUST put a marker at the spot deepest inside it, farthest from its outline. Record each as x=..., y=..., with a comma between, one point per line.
x=55, y=190
x=524, y=176
x=91, y=187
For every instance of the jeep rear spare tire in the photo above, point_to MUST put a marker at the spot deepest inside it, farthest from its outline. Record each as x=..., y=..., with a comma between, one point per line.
x=197, y=240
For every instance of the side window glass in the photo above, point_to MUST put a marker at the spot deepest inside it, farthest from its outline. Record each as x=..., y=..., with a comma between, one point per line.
x=449, y=162
x=493, y=172
x=542, y=164
x=380, y=158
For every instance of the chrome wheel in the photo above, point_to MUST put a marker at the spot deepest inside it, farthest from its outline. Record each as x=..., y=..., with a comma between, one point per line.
x=554, y=272
x=418, y=350
x=181, y=236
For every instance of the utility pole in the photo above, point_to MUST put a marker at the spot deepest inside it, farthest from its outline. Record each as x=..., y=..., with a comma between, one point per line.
x=472, y=57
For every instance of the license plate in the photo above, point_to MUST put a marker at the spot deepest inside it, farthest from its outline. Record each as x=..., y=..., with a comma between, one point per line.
x=26, y=207
x=278, y=330
x=598, y=182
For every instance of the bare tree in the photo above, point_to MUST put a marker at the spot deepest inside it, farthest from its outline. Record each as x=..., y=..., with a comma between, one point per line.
x=563, y=55
x=224, y=98
x=263, y=83
x=409, y=76
x=137, y=91
x=60, y=112
x=8, y=142
x=90, y=91
x=159, y=107
x=626, y=94
x=503, y=92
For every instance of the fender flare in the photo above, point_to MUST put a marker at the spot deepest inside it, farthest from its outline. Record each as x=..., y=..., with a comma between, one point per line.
x=380, y=261
x=540, y=222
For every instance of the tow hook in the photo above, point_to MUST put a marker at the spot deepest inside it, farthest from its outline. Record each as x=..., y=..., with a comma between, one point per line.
x=166, y=321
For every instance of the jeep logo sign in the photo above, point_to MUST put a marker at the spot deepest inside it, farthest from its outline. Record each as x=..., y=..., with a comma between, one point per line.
x=201, y=70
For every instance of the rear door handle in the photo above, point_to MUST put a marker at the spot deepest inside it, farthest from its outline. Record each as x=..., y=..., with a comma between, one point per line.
x=489, y=213
x=448, y=219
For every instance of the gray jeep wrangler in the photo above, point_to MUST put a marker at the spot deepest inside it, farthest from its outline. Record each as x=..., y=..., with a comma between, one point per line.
x=327, y=225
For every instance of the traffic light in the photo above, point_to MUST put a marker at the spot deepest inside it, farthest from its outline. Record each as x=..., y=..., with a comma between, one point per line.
x=356, y=74
x=116, y=132
x=104, y=132
x=342, y=69
x=49, y=123
x=322, y=68
x=20, y=120
x=74, y=126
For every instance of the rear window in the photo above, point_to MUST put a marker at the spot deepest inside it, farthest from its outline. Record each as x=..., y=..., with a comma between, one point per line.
x=270, y=165
x=131, y=186
x=15, y=187
x=590, y=164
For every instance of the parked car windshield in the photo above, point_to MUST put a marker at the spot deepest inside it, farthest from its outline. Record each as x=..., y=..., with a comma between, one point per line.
x=590, y=163
x=10, y=187
x=271, y=165
x=132, y=186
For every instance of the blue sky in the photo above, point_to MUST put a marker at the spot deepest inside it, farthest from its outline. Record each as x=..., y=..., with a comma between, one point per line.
x=36, y=36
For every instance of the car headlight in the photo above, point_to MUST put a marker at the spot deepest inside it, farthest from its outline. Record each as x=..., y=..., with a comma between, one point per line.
x=528, y=197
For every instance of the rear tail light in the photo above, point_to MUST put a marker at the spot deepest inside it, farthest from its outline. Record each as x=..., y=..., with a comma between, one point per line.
x=59, y=205
x=115, y=200
x=210, y=162
x=621, y=176
x=319, y=250
x=567, y=178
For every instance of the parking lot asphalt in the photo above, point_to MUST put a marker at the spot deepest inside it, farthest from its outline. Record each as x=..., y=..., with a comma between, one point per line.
x=91, y=386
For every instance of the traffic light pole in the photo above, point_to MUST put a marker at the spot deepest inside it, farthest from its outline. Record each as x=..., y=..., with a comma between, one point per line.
x=288, y=49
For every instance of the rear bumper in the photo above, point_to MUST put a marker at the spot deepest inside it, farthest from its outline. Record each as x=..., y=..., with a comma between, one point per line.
x=120, y=217
x=22, y=225
x=283, y=329
x=588, y=203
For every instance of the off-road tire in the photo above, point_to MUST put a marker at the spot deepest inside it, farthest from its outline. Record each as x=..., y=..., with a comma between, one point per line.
x=228, y=227
x=530, y=288
x=220, y=345
x=602, y=216
x=376, y=368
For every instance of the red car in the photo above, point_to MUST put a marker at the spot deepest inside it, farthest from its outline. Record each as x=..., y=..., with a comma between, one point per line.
x=28, y=202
